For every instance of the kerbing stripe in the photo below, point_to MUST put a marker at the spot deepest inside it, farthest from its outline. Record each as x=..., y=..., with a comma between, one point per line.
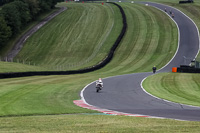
x=82, y=104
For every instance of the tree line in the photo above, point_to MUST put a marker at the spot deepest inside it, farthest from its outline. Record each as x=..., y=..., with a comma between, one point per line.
x=2, y=2
x=15, y=14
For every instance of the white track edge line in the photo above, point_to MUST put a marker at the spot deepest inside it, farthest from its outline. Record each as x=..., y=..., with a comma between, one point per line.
x=148, y=116
x=134, y=115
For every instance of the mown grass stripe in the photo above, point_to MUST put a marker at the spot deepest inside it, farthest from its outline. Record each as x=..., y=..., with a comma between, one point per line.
x=92, y=19
x=145, y=52
x=177, y=87
x=125, y=50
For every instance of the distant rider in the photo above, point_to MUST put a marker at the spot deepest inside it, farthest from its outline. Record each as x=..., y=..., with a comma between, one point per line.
x=165, y=9
x=170, y=12
x=172, y=15
x=99, y=82
x=154, y=69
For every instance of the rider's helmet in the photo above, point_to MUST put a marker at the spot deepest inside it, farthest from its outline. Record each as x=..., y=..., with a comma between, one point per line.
x=100, y=80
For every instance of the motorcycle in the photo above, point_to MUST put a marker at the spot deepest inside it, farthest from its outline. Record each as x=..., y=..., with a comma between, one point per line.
x=154, y=69
x=98, y=88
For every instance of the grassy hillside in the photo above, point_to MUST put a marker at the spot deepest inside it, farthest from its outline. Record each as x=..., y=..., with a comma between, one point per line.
x=11, y=42
x=75, y=37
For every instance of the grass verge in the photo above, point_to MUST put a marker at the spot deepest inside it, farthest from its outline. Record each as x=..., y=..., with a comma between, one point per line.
x=177, y=87
x=42, y=95
x=94, y=123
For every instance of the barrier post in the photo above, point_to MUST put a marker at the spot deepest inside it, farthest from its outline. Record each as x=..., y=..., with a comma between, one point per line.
x=174, y=69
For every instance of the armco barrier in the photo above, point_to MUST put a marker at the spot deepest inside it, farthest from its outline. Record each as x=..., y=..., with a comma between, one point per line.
x=188, y=70
x=188, y=1
x=89, y=69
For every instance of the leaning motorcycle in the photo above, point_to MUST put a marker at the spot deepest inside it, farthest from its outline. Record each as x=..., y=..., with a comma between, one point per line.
x=98, y=88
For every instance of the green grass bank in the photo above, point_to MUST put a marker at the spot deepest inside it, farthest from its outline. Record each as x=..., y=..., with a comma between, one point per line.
x=83, y=34
x=95, y=123
x=177, y=87
x=11, y=42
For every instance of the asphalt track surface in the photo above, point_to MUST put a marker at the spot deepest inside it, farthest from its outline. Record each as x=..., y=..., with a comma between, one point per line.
x=124, y=93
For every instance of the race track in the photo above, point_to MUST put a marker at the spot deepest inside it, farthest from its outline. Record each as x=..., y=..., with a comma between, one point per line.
x=125, y=94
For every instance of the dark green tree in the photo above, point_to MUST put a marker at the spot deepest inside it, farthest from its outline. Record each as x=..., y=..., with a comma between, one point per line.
x=2, y=2
x=47, y=4
x=17, y=13
x=23, y=10
x=5, y=32
x=44, y=5
x=12, y=17
x=34, y=8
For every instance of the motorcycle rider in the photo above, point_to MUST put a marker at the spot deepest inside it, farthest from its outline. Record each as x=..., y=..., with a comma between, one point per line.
x=154, y=69
x=172, y=15
x=99, y=82
x=170, y=12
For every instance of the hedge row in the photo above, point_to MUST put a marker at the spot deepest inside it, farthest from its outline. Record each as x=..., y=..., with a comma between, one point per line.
x=86, y=70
